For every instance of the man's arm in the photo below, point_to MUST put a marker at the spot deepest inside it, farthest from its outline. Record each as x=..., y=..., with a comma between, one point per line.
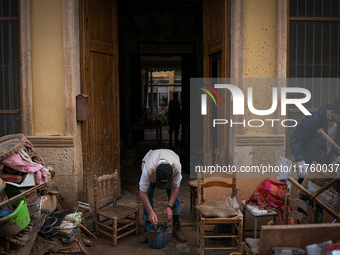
x=173, y=195
x=302, y=132
x=168, y=213
x=152, y=215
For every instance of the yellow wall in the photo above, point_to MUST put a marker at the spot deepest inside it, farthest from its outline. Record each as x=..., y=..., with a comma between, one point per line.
x=47, y=67
x=260, y=56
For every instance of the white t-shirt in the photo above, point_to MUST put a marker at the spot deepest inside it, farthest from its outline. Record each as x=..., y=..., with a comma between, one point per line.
x=148, y=175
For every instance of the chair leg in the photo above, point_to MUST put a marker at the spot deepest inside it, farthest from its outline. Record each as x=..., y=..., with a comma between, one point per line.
x=202, y=237
x=137, y=221
x=97, y=225
x=114, y=231
x=191, y=203
x=194, y=198
x=244, y=221
x=255, y=230
x=233, y=233
x=198, y=227
x=240, y=236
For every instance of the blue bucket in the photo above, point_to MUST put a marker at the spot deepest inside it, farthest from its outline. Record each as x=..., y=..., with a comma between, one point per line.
x=157, y=238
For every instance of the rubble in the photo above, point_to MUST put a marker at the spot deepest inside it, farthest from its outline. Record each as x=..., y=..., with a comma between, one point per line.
x=31, y=217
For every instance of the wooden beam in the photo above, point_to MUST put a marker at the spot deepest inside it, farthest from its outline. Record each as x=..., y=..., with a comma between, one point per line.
x=150, y=7
x=328, y=19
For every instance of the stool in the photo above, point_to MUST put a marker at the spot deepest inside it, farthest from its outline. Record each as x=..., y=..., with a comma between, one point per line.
x=255, y=212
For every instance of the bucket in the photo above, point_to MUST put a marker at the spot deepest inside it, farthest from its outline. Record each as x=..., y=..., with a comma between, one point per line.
x=16, y=221
x=157, y=238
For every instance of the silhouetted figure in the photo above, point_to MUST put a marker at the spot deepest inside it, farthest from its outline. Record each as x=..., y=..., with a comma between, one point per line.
x=174, y=117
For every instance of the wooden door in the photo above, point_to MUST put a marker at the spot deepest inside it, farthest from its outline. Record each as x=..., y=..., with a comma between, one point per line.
x=100, y=133
x=216, y=64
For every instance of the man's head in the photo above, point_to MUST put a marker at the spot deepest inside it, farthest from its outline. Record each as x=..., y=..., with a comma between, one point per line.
x=175, y=95
x=333, y=114
x=164, y=174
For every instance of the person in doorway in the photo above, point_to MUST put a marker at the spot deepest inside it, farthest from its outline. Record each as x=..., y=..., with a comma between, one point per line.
x=162, y=169
x=174, y=117
x=308, y=146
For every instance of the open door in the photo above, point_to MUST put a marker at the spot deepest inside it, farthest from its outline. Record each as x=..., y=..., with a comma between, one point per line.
x=216, y=64
x=99, y=69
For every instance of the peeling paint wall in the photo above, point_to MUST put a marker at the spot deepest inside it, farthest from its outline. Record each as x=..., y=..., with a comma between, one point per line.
x=257, y=35
x=56, y=135
x=47, y=67
x=260, y=57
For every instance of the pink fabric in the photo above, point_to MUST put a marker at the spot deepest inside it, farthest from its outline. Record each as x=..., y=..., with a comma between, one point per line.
x=17, y=163
x=270, y=195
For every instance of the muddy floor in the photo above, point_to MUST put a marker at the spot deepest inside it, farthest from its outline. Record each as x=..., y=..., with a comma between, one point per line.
x=129, y=244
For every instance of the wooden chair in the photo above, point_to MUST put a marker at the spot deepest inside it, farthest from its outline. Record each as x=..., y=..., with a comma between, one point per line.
x=296, y=215
x=219, y=158
x=113, y=218
x=204, y=224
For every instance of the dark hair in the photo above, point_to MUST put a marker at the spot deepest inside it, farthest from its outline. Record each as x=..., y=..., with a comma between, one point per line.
x=175, y=95
x=336, y=106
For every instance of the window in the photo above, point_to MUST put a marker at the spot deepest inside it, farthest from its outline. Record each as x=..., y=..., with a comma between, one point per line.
x=314, y=50
x=10, y=119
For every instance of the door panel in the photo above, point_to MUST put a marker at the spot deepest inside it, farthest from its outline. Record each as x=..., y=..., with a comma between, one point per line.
x=215, y=22
x=100, y=133
x=216, y=41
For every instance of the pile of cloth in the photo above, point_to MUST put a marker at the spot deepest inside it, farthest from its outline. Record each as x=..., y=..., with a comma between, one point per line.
x=270, y=195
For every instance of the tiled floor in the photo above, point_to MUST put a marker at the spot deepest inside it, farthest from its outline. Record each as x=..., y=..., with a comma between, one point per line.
x=130, y=197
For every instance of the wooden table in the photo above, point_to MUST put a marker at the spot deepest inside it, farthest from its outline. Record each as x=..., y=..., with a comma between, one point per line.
x=157, y=127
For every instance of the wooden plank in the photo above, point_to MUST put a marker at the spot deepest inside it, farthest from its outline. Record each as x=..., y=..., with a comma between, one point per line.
x=9, y=111
x=87, y=232
x=328, y=139
x=308, y=194
x=296, y=235
x=128, y=225
x=101, y=47
x=323, y=188
x=26, y=192
x=327, y=19
x=126, y=233
x=328, y=198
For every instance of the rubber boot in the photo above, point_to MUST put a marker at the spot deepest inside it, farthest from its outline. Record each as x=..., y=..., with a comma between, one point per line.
x=143, y=238
x=178, y=232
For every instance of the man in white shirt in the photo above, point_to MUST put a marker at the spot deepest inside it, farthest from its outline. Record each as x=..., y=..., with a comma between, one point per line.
x=162, y=169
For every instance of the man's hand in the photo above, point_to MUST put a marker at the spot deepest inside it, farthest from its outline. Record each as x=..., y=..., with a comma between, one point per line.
x=153, y=218
x=168, y=214
x=301, y=169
